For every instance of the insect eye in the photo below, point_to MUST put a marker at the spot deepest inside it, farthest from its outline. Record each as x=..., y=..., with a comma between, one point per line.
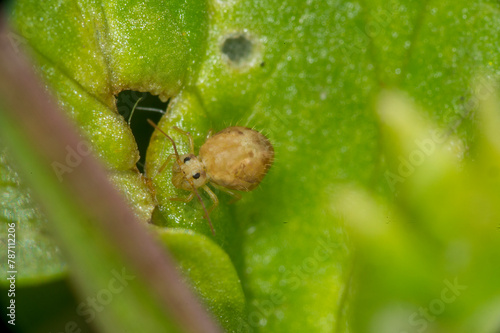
x=196, y=175
x=187, y=159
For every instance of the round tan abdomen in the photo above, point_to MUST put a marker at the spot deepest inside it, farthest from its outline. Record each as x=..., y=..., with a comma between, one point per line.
x=237, y=158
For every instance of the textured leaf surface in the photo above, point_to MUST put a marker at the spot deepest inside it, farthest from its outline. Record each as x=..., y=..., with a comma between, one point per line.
x=307, y=74
x=36, y=252
x=210, y=273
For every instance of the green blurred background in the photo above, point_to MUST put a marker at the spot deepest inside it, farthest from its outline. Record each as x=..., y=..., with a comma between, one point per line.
x=380, y=213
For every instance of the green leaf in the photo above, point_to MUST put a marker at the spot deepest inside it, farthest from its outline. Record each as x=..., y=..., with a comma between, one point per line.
x=95, y=267
x=437, y=237
x=134, y=187
x=307, y=74
x=74, y=196
x=211, y=275
x=36, y=252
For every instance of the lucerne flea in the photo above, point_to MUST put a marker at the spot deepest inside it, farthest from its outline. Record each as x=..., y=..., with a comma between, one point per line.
x=234, y=159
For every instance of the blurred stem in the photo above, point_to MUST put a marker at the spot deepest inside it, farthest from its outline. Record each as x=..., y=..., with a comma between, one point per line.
x=37, y=133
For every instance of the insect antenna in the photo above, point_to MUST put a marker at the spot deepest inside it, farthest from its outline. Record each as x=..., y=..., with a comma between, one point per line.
x=188, y=180
x=142, y=108
x=133, y=110
x=172, y=140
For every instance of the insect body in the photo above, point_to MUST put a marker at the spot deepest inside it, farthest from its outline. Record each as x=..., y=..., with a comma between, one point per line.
x=237, y=158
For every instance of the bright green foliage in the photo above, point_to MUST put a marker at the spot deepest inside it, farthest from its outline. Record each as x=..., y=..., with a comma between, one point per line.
x=308, y=74
x=40, y=258
x=203, y=263
x=426, y=261
x=134, y=187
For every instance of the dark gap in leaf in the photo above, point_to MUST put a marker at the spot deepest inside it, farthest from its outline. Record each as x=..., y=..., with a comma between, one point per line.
x=237, y=48
x=148, y=107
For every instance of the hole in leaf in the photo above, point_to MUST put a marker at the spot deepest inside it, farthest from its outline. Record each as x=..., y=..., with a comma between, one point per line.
x=148, y=107
x=237, y=48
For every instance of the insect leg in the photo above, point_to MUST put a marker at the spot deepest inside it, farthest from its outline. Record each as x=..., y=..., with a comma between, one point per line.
x=166, y=162
x=236, y=196
x=212, y=196
x=191, y=144
x=187, y=199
